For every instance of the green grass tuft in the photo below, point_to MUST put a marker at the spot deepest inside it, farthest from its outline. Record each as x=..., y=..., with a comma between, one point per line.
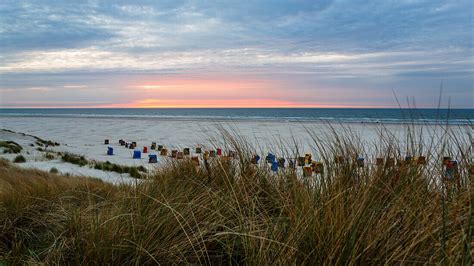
x=49, y=156
x=74, y=159
x=10, y=147
x=41, y=142
x=111, y=167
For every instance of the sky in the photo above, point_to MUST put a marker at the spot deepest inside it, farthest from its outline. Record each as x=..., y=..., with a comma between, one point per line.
x=184, y=53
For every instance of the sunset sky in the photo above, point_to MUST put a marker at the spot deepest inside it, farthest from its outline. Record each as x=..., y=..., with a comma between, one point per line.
x=236, y=53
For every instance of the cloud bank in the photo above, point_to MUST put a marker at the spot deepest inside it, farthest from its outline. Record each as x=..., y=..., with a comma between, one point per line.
x=294, y=53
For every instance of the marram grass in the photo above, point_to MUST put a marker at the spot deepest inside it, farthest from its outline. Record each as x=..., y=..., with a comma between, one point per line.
x=230, y=211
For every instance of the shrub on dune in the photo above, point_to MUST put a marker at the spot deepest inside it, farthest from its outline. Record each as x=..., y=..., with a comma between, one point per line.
x=53, y=170
x=19, y=159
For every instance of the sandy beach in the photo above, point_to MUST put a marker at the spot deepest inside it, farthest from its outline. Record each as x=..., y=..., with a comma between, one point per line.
x=85, y=137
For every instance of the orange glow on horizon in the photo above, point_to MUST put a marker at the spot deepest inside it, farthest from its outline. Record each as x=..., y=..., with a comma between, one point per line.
x=217, y=92
x=184, y=106
x=240, y=103
x=190, y=91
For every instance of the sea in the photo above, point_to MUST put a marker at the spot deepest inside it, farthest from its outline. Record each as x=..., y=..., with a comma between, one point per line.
x=344, y=115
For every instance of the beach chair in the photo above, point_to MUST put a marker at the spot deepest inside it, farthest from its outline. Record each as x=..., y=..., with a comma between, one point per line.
x=281, y=162
x=180, y=155
x=360, y=162
x=205, y=156
x=152, y=158
x=421, y=160
x=153, y=146
x=446, y=160
x=270, y=158
x=186, y=151
x=174, y=153
x=160, y=147
x=219, y=152
x=318, y=167
x=145, y=149
x=110, y=151
x=255, y=159
x=275, y=166
x=301, y=161
x=451, y=168
x=307, y=158
x=106, y=142
x=307, y=171
x=198, y=150
x=137, y=155
x=163, y=152
x=406, y=161
x=212, y=153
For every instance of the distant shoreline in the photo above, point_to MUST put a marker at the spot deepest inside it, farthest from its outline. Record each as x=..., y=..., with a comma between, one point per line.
x=218, y=119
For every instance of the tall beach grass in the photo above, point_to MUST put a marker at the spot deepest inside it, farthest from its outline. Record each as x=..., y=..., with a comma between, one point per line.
x=229, y=210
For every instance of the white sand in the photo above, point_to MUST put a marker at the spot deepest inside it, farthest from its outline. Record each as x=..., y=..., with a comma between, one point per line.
x=37, y=160
x=85, y=136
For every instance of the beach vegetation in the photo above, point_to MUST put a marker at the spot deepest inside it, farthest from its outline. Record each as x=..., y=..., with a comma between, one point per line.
x=141, y=168
x=53, y=170
x=74, y=159
x=232, y=211
x=19, y=159
x=135, y=172
x=10, y=147
x=49, y=156
x=41, y=142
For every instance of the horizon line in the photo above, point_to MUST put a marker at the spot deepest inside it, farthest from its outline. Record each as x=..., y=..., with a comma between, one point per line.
x=243, y=107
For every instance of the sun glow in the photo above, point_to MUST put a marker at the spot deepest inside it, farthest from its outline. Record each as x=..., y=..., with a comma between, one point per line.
x=224, y=103
x=223, y=91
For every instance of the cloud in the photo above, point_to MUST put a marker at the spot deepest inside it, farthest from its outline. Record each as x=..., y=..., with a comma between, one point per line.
x=30, y=89
x=32, y=26
x=335, y=42
x=419, y=63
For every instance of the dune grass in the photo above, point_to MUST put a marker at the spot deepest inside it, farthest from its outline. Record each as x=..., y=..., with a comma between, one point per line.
x=134, y=171
x=41, y=142
x=10, y=147
x=74, y=159
x=231, y=211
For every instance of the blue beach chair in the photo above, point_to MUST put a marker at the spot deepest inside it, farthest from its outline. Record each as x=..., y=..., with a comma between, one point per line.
x=275, y=166
x=137, y=154
x=152, y=158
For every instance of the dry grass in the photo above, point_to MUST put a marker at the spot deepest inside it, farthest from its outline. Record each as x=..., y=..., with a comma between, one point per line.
x=230, y=211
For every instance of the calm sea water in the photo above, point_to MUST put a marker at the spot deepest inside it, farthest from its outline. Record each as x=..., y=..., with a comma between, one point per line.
x=452, y=116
